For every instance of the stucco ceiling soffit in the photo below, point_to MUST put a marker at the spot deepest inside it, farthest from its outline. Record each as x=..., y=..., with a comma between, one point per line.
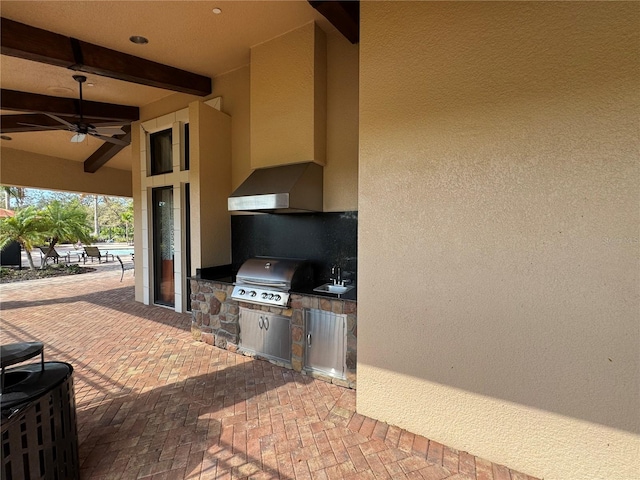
x=31, y=43
x=344, y=15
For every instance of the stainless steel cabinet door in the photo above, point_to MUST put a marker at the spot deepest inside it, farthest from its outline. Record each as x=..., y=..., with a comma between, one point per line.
x=277, y=337
x=325, y=350
x=251, y=336
x=265, y=334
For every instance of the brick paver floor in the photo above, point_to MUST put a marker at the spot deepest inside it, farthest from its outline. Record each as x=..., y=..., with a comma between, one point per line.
x=154, y=403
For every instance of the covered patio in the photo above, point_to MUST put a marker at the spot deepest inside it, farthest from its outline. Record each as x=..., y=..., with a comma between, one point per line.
x=490, y=153
x=154, y=403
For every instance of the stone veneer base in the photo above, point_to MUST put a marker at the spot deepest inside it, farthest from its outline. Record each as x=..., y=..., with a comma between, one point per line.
x=215, y=321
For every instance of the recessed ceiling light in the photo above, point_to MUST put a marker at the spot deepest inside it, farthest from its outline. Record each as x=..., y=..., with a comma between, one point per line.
x=5, y=137
x=138, y=39
x=217, y=11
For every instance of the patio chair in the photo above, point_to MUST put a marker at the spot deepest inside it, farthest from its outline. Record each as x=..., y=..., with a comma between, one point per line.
x=126, y=267
x=45, y=255
x=94, y=252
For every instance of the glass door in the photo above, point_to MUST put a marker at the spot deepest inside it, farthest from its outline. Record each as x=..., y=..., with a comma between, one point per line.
x=163, y=252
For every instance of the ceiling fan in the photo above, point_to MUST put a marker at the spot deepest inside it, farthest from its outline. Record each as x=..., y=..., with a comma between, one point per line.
x=81, y=129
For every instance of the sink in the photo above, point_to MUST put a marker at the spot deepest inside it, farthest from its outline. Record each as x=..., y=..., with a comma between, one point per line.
x=331, y=288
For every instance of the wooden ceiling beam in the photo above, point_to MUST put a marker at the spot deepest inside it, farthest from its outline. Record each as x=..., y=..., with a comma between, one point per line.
x=66, y=107
x=106, y=152
x=344, y=15
x=121, y=66
x=31, y=43
x=22, y=41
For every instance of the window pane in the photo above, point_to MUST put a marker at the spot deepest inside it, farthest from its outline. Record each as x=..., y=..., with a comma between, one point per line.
x=161, y=152
x=186, y=146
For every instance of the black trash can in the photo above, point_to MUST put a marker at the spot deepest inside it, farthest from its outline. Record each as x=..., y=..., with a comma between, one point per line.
x=37, y=405
x=11, y=254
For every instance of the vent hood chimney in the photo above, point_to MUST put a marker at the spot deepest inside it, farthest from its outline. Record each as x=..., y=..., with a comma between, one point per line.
x=285, y=189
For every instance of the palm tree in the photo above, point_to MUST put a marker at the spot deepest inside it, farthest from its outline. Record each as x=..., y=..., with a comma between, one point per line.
x=25, y=227
x=15, y=192
x=65, y=222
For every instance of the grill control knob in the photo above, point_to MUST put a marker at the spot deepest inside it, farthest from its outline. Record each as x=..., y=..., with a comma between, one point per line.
x=277, y=298
x=252, y=293
x=271, y=296
x=241, y=292
x=264, y=295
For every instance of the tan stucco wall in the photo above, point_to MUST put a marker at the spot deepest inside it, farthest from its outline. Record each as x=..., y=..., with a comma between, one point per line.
x=499, y=277
x=341, y=168
x=210, y=179
x=26, y=169
x=234, y=90
x=288, y=98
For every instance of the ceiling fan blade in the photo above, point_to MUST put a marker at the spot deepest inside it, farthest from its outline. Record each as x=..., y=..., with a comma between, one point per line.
x=114, y=140
x=62, y=121
x=108, y=130
x=43, y=127
x=99, y=123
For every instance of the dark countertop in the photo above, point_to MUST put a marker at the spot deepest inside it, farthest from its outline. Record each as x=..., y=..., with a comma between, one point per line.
x=350, y=295
x=225, y=274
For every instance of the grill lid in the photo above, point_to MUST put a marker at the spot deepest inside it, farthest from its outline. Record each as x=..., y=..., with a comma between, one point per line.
x=269, y=271
x=267, y=280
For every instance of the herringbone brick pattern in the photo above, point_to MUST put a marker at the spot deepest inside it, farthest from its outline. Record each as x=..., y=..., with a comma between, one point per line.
x=154, y=404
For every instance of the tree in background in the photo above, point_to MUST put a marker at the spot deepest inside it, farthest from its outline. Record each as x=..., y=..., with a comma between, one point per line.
x=102, y=211
x=26, y=227
x=110, y=214
x=65, y=222
x=127, y=218
x=12, y=192
x=42, y=198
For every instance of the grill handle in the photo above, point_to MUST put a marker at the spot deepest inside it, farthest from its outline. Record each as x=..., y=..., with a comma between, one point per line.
x=263, y=284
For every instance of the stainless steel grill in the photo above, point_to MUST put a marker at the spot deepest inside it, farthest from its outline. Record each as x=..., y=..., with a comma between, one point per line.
x=268, y=280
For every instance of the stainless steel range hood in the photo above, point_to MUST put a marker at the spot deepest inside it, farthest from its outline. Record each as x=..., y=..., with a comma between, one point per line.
x=285, y=189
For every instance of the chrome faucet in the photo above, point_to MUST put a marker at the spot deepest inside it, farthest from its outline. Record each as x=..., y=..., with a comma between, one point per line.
x=336, y=275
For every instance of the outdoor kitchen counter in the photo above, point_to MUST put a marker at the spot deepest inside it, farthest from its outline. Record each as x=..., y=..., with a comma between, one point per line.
x=225, y=275
x=215, y=319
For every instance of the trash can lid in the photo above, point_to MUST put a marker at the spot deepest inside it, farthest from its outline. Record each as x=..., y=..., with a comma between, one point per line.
x=31, y=381
x=13, y=353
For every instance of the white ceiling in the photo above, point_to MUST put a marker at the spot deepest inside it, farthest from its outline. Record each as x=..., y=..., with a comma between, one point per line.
x=182, y=34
